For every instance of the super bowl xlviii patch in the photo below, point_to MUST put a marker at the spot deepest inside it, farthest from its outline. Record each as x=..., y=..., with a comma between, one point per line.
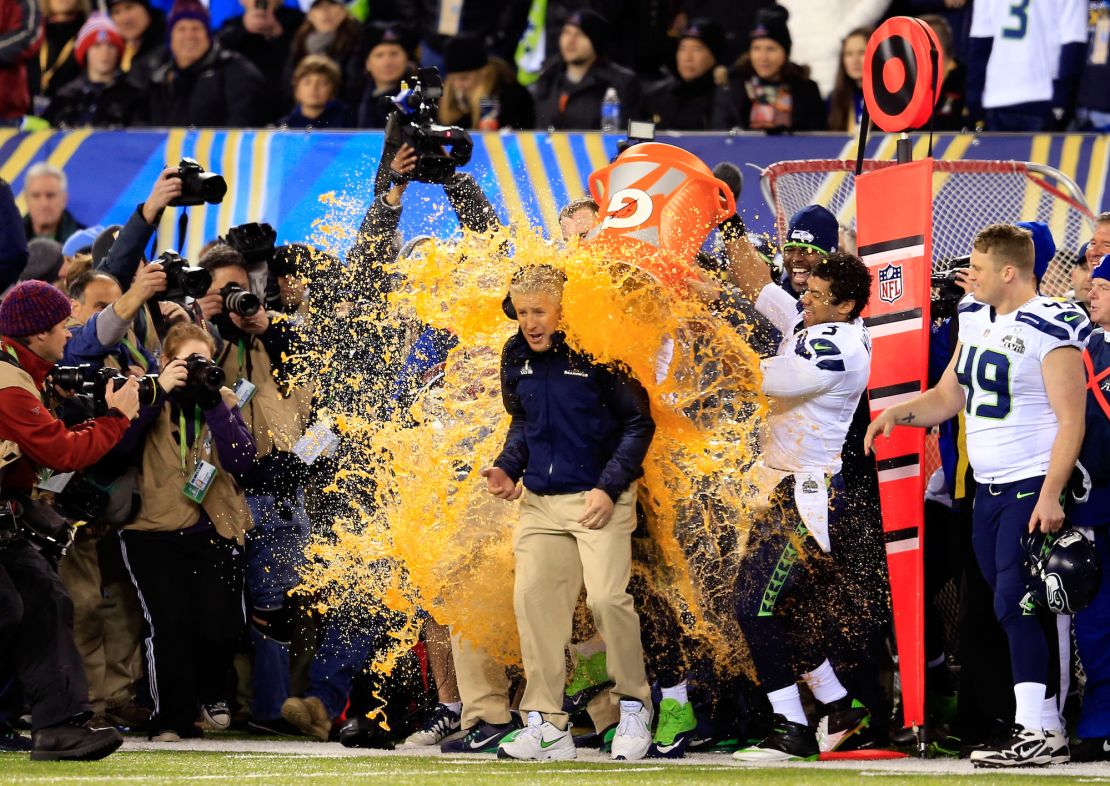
x=526, y=369
x=810, y=486
x=1014, y=343
x=890, y=283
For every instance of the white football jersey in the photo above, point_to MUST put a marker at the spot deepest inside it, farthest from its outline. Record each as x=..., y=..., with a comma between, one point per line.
x=1009, y=424
x=1025, y=56
x=814, y=383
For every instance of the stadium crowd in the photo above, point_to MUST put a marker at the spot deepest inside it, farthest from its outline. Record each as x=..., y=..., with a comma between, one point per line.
x=695, y=65
x=125, y=379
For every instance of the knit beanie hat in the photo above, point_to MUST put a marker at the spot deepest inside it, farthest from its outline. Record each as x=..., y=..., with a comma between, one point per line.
x=44, y=260
x=813, y=227
x=1044, y=247
x=377, y=34
x=1081, y=255
x=709, y=33
x=97, y=28
x=464, y=53
x=33, y=307
x=771, y=23
x=188, y=9
x=593, y=25
x=1102, y=269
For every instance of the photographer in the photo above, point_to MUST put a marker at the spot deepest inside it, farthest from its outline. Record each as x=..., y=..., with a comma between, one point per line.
x=36, y=626
x=183, y=548
x=101, y=328
x=277, y=411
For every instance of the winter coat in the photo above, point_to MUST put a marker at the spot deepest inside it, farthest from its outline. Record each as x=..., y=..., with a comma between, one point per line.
x=55, y=62
x=697, y=105
x=267, y=55
x=67, y=225
x=806, y=110
x=222, y=89
x=84, y=103
x=20, y=37
x=576, y=425
x=335, y=115
x=564, y=105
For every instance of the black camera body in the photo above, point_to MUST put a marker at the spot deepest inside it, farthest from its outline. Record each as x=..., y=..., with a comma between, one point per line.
x=240, y=301
x=946, y=293
x=203, y=374
x=440, y=150
x=182, y=279
x=254, y=241
x=198, y=186
x=93, y=385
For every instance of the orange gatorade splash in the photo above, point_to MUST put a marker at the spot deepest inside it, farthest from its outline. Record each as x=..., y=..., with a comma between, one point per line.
x=413, y=524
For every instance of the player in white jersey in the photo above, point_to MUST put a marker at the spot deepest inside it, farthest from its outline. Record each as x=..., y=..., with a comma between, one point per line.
x=1032, y=51
x=1017, y=375
x=815, y=383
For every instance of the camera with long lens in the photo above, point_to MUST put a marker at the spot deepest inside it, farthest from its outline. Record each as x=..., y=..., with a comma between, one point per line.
x=93, y=384
x=182, y=279
x=946, y=292
x=240, y=301
x=198, y=186
x=202, y=373
x=440, y=150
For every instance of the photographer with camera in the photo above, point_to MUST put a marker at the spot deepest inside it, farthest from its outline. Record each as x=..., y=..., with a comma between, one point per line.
x=184, y=548
x=277, y=411
x=36, y=613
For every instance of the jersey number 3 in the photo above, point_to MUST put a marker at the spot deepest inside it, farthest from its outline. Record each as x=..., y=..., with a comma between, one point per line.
x=1020, y=11
x=982, y=374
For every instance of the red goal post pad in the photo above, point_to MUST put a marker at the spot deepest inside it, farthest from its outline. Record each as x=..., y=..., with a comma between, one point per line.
x=894, y=241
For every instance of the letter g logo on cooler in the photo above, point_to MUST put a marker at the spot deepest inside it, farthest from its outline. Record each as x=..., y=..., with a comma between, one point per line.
x=629, y=207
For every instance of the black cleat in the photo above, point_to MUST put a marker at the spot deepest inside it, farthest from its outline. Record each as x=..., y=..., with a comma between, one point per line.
x=1097, y=749
x=788, y=741
x=483, y=738
x=845, y=719
x=1026, y=748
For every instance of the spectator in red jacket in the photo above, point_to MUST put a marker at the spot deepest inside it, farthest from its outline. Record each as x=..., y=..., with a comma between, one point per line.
x=20, y=38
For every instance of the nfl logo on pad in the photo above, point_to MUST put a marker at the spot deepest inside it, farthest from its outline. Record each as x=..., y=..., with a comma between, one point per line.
x=890, y=283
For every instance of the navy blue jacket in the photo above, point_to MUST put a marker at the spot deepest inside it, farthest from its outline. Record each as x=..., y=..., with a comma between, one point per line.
x=1095, y=453
x=576, y=425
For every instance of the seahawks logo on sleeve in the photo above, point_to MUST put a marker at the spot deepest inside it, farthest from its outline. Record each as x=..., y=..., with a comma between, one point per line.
x=1057, y=319
x=819, y=345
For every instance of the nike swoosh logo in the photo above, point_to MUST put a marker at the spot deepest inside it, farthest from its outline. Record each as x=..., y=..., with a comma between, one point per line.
x=1071, y=317
x=482, y=743
x=671, y=747
x=548, y=743
x=1024, y=494
x=1106, y=745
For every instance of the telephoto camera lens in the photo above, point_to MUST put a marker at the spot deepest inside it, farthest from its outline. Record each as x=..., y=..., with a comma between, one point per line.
x=239, y=301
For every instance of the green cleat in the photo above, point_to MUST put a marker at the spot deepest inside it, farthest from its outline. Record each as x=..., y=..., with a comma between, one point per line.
x=588, y=673
x=674, y=731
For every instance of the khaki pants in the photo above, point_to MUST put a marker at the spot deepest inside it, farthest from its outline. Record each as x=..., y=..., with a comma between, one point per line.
x=555, y=556
x=107, y=625
x=484, y=690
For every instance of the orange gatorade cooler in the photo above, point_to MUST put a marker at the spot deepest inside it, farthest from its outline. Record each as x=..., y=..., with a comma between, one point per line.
x=658, y=204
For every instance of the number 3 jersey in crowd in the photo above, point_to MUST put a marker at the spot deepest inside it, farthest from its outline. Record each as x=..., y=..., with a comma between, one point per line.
x=1009, y=423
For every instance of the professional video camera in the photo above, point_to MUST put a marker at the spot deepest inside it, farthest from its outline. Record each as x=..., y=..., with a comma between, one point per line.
x=182, y=279
x=439, y=149
x=946, y=291
x=81, y=381
x=239, y=301
x=198, y=186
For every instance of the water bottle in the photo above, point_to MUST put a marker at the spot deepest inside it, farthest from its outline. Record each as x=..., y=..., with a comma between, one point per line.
x=610, y=110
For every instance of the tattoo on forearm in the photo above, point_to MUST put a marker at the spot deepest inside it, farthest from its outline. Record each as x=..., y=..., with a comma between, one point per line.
x=906, y=419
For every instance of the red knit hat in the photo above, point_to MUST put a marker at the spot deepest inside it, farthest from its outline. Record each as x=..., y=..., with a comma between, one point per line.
x=97, y=28
x=33, y=307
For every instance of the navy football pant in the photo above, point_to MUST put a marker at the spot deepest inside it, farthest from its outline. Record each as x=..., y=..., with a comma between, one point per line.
x=1001, y=521
x=782, y=591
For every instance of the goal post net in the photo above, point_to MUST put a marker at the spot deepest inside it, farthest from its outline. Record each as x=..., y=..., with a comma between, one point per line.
x=967, y=196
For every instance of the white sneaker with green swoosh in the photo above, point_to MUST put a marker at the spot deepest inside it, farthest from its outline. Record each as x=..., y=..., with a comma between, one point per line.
x=540, y=740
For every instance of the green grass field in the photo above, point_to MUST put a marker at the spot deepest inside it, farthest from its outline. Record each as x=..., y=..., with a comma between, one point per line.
x=238, y=767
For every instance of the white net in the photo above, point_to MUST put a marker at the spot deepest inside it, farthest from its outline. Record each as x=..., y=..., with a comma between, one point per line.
x=967, y=196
